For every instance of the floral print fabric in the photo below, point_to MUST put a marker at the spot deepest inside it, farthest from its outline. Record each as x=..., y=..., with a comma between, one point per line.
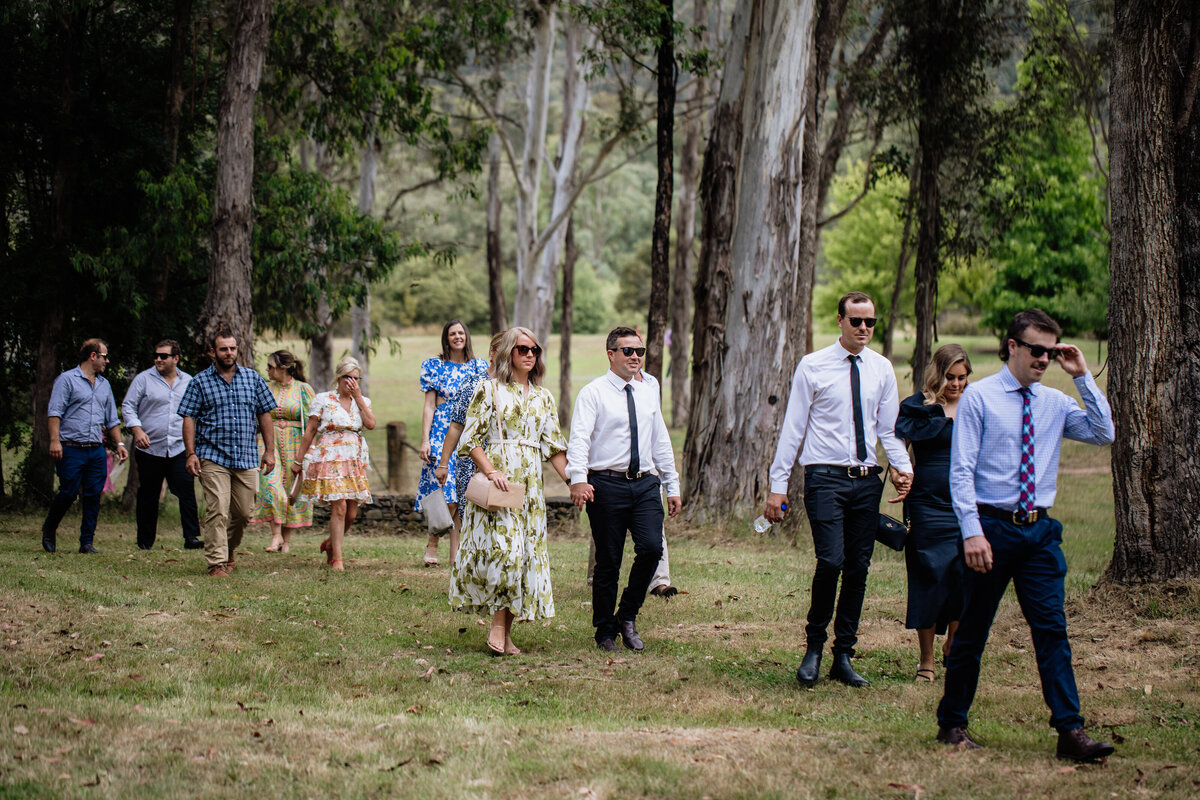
x=289, y=416
x=445, y=378
x=503, y=560
x=335, y=467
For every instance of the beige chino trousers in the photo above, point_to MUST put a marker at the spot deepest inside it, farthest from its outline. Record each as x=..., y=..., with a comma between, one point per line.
x=229, y=499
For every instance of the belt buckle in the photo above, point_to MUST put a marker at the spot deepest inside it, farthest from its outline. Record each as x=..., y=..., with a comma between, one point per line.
x=857, y=472
x=1028, y=519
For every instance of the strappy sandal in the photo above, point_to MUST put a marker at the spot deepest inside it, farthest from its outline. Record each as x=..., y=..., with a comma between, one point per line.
x=921, y=676
x=328, y=551
x=335, y=564
x=511, y=649
x=431, y=559
x=497, y=649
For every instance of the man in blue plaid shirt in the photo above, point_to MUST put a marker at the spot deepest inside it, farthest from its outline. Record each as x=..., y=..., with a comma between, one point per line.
x=222, y=409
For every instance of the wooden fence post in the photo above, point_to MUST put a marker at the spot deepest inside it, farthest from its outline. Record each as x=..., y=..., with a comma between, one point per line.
x=395, y=449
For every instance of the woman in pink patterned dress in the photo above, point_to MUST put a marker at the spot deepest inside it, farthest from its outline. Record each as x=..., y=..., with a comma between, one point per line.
x=335, y=471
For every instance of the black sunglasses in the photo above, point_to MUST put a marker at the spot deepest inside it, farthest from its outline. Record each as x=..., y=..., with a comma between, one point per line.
x=856, y=321
x=162, y=356
x=1037, y=351
x=641, y=351
x=524, y=350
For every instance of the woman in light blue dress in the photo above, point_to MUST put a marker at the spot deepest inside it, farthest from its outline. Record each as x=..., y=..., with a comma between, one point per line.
x=441, y=377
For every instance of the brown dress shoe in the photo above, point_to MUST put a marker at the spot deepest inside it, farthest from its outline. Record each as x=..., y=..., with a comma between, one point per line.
x=218, y=571
x=958, y=737
x=1078, y=746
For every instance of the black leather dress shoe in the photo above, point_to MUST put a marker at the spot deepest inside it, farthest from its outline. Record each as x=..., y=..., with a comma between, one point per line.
x=958, y=737
x=193, y=544
x=145, y=547
x=629, y=636
x=810, y=668
x=48, y=541
x=87, y=548
x=664, y=592
x=1078, y=746
x=608, y=645
x=842, y=671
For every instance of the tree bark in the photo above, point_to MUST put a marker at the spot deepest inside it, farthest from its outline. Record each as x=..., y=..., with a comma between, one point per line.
x=685, y=236
x=901, y=268
x=229, y=298
x=320, y=350
x=570, y=256
x=747, y=327
x=1154, y=305
x=495, y=261
x=660, y=247
x=929, y=237
x=173, y=112
x=360, y=315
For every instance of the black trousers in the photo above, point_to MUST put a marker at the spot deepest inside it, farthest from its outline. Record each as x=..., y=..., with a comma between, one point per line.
x=843, y=513
x=622, y=505
x=151, y=472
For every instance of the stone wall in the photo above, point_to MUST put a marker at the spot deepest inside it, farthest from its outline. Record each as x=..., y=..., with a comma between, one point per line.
x=395, y=513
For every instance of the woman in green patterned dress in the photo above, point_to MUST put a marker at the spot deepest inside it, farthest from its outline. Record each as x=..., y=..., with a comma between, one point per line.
x=285, y=374
x=503, y=566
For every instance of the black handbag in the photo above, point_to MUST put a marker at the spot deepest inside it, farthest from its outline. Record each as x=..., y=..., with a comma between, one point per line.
x=891, y=532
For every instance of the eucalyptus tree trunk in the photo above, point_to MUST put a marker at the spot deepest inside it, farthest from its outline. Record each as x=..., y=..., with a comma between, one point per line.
x=360, y=315
x=1154, y=385
x=495, y=261
x=316, y=157
x=530, y=310
x=747, y=330
x=685, y=239
x=660, y=247
x=566, y=326
x=929, y=260
x=228, y=298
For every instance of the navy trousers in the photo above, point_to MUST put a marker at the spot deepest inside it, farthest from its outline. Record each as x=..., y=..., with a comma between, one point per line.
x=80, y=469
x=622, y=505
x=1031, y=557
x=843, y=513
x=151, y=472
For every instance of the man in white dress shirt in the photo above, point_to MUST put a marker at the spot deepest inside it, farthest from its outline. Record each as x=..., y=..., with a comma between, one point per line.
x=618, y=458
x=843, y=400
x=149, y=410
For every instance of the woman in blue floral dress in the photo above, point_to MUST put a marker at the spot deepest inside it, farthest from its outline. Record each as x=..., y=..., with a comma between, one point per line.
x=441, y=377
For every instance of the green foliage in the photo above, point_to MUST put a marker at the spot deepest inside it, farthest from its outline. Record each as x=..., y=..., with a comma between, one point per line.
x=633, y=292
x=861, y=251
x=593, y=302
x=429, y=292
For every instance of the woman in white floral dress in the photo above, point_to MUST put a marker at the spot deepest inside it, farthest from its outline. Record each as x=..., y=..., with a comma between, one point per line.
x=336, y=469
x=503, y=565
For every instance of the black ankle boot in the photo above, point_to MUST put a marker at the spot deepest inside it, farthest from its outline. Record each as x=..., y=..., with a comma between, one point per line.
x=810, y=668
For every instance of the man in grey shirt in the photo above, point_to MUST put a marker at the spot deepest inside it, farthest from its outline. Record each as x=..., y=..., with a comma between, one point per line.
x=150, y=412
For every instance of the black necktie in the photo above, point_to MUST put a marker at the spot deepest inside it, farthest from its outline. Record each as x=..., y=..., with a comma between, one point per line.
x=634, y=461
x=860, y=439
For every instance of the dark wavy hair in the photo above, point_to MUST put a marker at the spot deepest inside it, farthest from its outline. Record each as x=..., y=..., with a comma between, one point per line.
x=1033, y=318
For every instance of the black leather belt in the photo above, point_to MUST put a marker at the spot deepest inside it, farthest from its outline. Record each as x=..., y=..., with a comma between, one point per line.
x=861, y=471
x=1015, y=517
x=619, y=473
x=82, y=445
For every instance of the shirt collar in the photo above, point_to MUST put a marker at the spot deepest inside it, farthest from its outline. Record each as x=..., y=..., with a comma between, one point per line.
x=1010, y=383
x=617, y=381
x=843, y=353
x=77, y=370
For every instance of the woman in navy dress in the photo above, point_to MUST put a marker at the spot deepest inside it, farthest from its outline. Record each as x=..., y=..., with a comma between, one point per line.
x=933, y=551
x=441, y=377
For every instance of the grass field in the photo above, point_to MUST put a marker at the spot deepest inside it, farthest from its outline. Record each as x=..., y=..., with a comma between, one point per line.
x=129, y=674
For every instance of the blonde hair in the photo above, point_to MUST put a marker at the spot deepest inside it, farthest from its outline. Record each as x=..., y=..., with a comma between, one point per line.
x=939, y=367
x=504, y=368
x=345, y=367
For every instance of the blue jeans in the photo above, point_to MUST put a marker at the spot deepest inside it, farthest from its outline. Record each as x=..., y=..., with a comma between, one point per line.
x=1031, y=557
x=83, y=468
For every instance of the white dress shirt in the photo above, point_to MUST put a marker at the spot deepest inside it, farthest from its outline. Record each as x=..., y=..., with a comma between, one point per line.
x=600, y=435
x=985, y=451
x=820, y=414
x=152, y=405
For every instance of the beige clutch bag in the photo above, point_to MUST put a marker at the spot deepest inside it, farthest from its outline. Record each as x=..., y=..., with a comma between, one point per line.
x=484, y=494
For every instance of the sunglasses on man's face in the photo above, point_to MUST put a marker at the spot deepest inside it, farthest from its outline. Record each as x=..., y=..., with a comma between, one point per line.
x=524, y=350
x=629, y=351
x=162, y=356
x=856, y=321
x=1037, y=351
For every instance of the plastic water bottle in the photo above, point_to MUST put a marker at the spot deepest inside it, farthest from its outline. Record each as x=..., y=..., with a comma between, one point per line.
x=762, y=523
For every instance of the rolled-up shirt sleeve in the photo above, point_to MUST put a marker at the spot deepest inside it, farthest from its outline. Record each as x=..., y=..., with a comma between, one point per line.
x=60, y=395
x=965, y=445
x=791, y=433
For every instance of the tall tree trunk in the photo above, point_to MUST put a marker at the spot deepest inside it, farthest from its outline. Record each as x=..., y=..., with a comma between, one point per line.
x=746, y=325
x=360, y=315
x=889, y=332
x=228, y=299
x=571, y=255
x=40, y=467
x=929, y=238
x=1154, y=305
x=320, y=350
x=685, y=236
x=495, y=262
x=530, y=311
x=660, y=247
x=173, y=111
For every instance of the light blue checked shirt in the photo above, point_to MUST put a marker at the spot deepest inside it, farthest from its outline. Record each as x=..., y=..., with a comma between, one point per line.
x=85, y=410
x=226, y=415
x=151, y=404
x=985, y=453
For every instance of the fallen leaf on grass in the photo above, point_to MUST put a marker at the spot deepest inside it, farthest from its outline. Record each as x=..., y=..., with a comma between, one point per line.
x=398, y=766
x=428, y=673
x=383, y=725
x=1066, y=770
x=51, y=759
x=85, y=721
x=21, y=730
x=47, y=710
x=414, y=709
x=98, y=656
x=1148, y=689
x=136, y=677
x=909, y=787
x=433, y=762
x=156, y=614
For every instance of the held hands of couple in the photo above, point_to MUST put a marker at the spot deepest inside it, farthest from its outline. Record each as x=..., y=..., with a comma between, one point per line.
x=903, y=483
x=582, y=493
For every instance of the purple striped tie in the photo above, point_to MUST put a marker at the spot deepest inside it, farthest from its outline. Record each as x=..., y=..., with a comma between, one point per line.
x=1028, y=499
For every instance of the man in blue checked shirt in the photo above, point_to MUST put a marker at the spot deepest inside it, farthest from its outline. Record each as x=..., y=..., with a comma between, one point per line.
x=1003, y=469
x=82, y=410
x=222, y=409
